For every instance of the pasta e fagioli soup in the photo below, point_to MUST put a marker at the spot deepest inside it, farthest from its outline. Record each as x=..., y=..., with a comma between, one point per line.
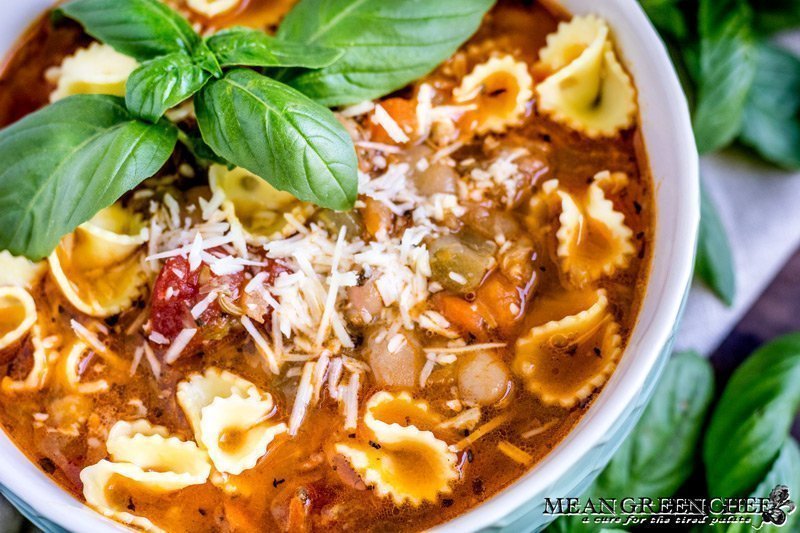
x=220, y=349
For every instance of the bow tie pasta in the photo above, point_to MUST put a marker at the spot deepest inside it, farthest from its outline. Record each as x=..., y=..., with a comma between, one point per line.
x=592, y=240
x=577, y=339
x=253, y=205
x=501, y=88
x=588, y=89
x=230, y=418
x=402, y=461
x=96, y=69
x=142, y=457
x=98, y=267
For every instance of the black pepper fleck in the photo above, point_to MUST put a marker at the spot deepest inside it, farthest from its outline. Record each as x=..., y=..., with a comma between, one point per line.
x=447, y=502
x=638, y=207
x=375, y=445
x=276, y=482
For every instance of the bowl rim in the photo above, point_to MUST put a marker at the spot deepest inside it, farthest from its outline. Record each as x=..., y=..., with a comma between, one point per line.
x=594, y=425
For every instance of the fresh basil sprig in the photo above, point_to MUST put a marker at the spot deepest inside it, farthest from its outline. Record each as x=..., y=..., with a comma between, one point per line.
x=69, y=160
x=386, y=44
x=144, y=29
x=279, y=134
x=753, y=418
x=66, y=162
x=162, y=83
x=253, y=48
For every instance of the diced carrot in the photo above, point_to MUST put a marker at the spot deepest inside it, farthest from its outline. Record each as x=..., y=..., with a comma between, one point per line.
x=470, y=318
x=404, y=113
x=502, y=300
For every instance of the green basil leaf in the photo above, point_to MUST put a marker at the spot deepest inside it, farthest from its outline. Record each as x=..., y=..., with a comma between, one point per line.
x=254, y=48
x=387, y=44
x=658, y=457
x=281, y=135
x=667, y=17
x=66, y=162
x=726, y=71
x=205, y=58
x=776, y=15
x=163, y=83
x=753, y=417
x=143, y=29
x=784, y=471
x=771, y=124
x=203, y=154
x=714, y=263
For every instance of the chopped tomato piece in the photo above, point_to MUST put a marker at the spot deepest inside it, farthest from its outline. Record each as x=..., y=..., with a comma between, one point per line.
x=178, y=289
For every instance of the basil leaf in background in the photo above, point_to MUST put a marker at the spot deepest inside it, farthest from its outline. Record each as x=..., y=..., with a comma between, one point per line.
x=254, y=48
x=726, y=71
x=143, y=29
x=666, y=15
x=714, y=261
x=776, y=15
x=784, y=471
x=281, y=135
x=659, y=455
x=68, y=161
x=162, y=83
x=387, y=44
x=752, y=419
x=771, y=123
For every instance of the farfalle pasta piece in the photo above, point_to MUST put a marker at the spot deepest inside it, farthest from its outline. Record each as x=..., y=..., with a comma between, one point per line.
x=575, y=337
x=236, y=433
x=96, y=69
x=402, y=462
x=43, y=358
x=593, y=239
x=589, y=89
x=212, y=8
x=230, y=418
x=144, y=457
x=20, y=271
x=254, y=205
x=501, y=88
x=17, y=315
x=98, y=267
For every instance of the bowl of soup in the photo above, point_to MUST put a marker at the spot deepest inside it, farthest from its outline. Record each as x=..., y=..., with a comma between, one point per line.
x=477, y=334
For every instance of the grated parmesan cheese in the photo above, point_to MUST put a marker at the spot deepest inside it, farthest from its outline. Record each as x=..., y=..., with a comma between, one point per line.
x=181, y=341
x=383, y=119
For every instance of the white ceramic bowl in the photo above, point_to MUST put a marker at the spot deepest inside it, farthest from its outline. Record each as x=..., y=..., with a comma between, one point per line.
x=571, y=467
